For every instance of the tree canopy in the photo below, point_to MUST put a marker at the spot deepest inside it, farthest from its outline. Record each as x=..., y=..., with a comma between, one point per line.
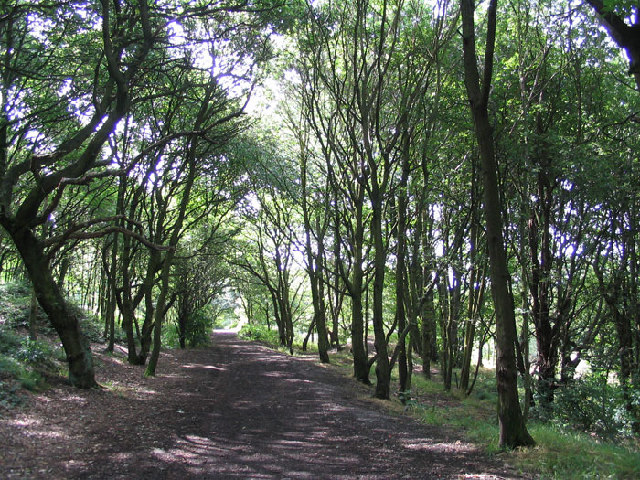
x=358, y=173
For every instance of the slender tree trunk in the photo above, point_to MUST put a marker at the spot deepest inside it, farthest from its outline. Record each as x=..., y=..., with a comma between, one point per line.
x=310, y=330
x=540, y=286
x=167, y=261
x=427, y=304
x=383, y=372
x=321, y=321
x=285, y=306
x=445, y=314
x=33, y=316
x=476, y=286
x=109, y=291
x=427, y=316
x=62, y=273
x=125, y=294
x=513, y=430
x=401, y=254
x=315, y=269
x=282, y=334
x=360, y=360
x=153, y=266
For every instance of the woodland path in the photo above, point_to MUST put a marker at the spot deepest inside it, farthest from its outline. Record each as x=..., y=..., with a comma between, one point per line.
x=232, y=410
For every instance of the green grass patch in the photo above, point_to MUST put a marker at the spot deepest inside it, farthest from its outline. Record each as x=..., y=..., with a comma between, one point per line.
x=557, y=455
x=27, y=378
x=562, y=455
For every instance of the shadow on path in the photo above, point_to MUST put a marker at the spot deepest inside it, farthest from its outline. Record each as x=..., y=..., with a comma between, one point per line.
x=240, y=410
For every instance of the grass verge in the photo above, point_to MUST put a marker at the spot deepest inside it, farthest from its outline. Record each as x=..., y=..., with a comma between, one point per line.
x=558, y=454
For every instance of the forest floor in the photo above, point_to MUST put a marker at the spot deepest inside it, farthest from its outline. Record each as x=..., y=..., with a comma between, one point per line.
x=235, y=409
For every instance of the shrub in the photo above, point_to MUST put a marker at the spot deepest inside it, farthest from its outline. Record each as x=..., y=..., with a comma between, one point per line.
x=592, y=404
x=199, y=327
x=26, y=378
x=260, y=333
x=15, y=304
x=37, y=354
x=9, y=341
x=9, y=395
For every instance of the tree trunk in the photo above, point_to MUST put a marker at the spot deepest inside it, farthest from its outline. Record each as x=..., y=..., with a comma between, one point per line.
x=427, y=317
x=401, y=254
x=310, y=330
x=445, y=319
x=126, y=301
x=33, y=316
x=625, y=36
x=153, y=266
x=476, y=285
x=321, y=320
x=167, y=261
x=383, y=372
x=62, y=318
x=513, y=430
x=360, y=360
x=315, y=264
x=109, y=270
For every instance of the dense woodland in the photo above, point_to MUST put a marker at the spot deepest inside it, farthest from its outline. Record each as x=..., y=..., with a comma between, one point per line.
x=428, y=183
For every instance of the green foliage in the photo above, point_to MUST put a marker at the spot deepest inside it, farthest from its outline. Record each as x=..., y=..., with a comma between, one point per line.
x=26, y=377
x=25, y=354
x=9, y=340
x=200, y=326
x=33, y=352
x=592, y=404
x=9, y=394
x=91, y=325
x=14, y=307
x=21, y=364
x=170, y=337
x=260, y=333
x=558, y=455
x=561, y=455
x=24, y=363
x=624, y=8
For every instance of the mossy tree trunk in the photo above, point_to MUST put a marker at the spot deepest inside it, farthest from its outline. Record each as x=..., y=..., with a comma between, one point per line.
x=62, y=318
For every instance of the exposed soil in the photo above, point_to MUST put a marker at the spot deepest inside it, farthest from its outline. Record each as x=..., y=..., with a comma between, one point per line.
x=232, y=410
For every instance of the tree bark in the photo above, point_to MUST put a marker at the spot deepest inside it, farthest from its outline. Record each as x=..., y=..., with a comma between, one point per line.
x=626, y=36
x=33, y=316
x=513, y=430
x=63, y=319
x=355, y=288
x=383, y=372
x=401, y=254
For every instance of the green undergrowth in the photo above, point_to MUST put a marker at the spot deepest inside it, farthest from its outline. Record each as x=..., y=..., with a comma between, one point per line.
x=24, y=365
x=558, y=454
x=269, y=337
x=259, y=333
x=563, y=455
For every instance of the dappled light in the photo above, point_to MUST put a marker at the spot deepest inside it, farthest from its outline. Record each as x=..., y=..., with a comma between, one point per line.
x=206, y=367
x=239, y=410
x=319, y=239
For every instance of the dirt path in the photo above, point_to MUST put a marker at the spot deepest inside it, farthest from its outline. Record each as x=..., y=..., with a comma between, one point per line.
x=234, y=410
